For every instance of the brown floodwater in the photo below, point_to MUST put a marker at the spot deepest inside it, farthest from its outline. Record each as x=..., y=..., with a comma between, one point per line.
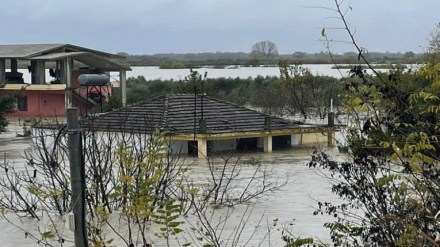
x=295, y=202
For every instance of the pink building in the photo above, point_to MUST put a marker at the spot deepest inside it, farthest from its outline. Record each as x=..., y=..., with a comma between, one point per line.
x=61, y=76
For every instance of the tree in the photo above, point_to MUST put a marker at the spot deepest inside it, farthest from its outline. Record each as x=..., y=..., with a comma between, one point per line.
x=298, y=55
x=304, y=92
x=390, y=178
x=7, y=104
x=409, y=57
x=264, y=49
x=172, y=65
x=433, y=52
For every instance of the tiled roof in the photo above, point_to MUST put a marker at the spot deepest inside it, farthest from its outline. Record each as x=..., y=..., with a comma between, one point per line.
x=181, y=114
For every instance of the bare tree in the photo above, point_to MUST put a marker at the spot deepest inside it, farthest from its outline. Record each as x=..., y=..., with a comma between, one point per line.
x=433, y=52
x=264, y=49
x=395, y=188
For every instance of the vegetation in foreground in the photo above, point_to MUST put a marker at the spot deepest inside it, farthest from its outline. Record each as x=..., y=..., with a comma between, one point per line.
x=389, y=182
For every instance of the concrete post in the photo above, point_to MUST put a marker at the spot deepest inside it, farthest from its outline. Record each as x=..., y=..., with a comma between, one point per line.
x=14, y=65
x=40, y=72
x=69, y=86
x=202, y=149
x=62, y=68
x=33, y=72
x=331, y=142
x=2, y=71
x=267, y=144
x=123, y=85
x=77, y=177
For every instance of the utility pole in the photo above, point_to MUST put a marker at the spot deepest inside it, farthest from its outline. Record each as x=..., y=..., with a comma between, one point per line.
x=77, y=177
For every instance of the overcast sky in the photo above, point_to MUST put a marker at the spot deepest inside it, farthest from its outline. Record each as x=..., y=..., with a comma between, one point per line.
x=182, y=26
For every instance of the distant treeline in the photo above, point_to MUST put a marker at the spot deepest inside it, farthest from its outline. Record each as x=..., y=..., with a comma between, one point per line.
x=270, y=94
x=221, y=59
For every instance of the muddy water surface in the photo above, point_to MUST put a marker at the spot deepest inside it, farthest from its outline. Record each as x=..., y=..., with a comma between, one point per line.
x=295, y=202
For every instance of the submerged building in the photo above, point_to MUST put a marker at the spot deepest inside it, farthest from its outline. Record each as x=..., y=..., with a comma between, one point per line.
x=203, y=125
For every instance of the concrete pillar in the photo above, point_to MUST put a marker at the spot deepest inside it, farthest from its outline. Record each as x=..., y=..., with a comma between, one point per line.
x=33, y=68
x=331, y=142
x=68, y=76
x=2, y=71
x=294, y=139
x=62, y=68
x=14, y=65
x=331, y=119
x=40, y=72
x=268, y=144
x=202, y=149
x=123, y=85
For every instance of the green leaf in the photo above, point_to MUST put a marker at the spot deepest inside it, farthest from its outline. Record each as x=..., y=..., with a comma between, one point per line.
x=48, y=234
x=300, y=242
x=174, y=224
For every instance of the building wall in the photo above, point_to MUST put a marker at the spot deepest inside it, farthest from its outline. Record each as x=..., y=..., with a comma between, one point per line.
x=43, y=104
x=308, y=139
x=314, y=138
x=260, y=142
x=179, y=147
x=214, y=146
x=52, y=104
x=222, y=145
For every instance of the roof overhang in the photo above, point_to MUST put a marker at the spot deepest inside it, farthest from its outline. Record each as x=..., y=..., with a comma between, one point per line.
x=87, y=58
x=305, y=129
x=34, y=87
x=27, y=51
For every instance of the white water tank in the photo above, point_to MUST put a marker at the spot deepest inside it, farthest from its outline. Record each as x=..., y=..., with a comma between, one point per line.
x=93, y=79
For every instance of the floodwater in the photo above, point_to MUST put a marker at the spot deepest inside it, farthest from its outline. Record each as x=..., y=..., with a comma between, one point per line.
x=153, y=72
x=295, y=202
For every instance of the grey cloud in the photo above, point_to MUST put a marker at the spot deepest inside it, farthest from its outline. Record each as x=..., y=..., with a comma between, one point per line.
x=149, y=26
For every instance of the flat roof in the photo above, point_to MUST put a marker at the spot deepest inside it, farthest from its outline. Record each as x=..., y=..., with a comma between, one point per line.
x=26, y=51
x=34, y=87
x=88, y=58
x=51, y=52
